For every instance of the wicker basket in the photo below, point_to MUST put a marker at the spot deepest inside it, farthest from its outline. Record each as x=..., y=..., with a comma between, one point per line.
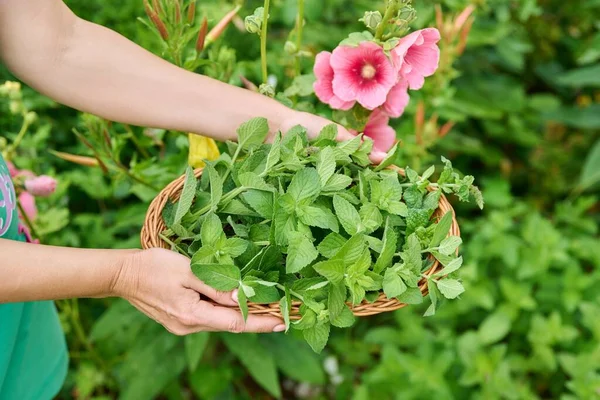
x=154, y=224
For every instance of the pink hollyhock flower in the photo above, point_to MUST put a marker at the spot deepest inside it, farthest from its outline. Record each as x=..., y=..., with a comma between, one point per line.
x=362, y=73
x=41, y=186
x=27, y=202
x=379, y=131
x=417, y=56
x=12, y=170
x=324, y=84
x=397, y=100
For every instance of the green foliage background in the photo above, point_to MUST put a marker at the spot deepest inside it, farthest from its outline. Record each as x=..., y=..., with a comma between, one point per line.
x=525, y=97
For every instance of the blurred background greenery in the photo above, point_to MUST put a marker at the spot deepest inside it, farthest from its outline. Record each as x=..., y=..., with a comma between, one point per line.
x=519, y=109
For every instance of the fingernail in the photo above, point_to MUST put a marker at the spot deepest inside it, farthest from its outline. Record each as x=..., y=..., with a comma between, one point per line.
x=279, y=328
x=234, y=296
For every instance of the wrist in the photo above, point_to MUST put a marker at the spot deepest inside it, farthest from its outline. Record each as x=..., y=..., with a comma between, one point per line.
x=124, y=275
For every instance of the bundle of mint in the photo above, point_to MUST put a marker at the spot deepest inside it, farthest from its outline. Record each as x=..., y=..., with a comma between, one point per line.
x=311, y=231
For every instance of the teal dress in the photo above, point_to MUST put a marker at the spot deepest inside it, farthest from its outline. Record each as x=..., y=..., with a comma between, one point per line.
x=33, y=351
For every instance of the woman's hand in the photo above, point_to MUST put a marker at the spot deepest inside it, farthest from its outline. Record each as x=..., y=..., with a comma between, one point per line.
x=161, y=284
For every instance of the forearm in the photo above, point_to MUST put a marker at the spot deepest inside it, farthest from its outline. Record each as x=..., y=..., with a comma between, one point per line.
x=96, y=70
x=35, y=272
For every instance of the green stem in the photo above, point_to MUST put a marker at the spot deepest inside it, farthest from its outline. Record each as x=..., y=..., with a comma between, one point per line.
x=173, y=245
x=263, y=41
x=299, y=28
x=389, y=12
x=224, y=200
x=295, y=294
x=233, y=159
x=19, y=138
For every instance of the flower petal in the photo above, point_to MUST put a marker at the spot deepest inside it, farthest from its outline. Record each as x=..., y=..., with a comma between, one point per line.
x=397, y=100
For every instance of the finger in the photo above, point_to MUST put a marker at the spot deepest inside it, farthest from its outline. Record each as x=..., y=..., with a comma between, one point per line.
x=224, y=298
x=344, y=134
x=223, y=319
x=377, y=156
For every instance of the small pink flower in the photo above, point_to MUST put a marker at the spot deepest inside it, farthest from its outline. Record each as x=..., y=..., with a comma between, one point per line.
x=12, y=170
x=27, y=202
x=41, y=186
x=417, y=56
x=362, y=73
x=397, y=100
x=323, y=86
x=378, y=129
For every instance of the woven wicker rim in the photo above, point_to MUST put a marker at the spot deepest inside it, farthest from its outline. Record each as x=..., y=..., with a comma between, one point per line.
x=154, y=225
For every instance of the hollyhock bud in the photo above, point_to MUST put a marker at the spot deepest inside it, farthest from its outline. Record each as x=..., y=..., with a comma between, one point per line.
x=252, y=24
x=267, y=90
x=290, y=47
x=30, y=117
x=41, y=186
x=27, y=202
x=372, y=19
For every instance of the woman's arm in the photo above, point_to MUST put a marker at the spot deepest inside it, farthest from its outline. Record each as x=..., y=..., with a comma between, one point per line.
x=96, y=70
x=158, y=282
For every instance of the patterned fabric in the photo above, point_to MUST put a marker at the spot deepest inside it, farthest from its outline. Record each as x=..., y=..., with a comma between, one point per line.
x=33, y=351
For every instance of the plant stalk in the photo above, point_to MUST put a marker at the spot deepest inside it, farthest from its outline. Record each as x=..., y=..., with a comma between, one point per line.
x=263, y=41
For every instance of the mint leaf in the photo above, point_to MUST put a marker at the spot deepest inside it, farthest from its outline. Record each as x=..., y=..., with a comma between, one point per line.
x=319, y=217
x=441, y=229
x=216, y=185
x=274, y=153
x=350, y=146
x=217, y=276
x=450, y=288
x=251, y=180
x=252, y=133
x=236, y=207
x=390, y=159
x=328, y=133
x=449, y=245
x=331, y=244
x=326, y=165
x=411, y=296
x=336, y=183
x=433, y=296
x=305, y=184
x=301, y=252
x=336, y=300
x=371, y=217
x=393, y=285
x=450, y=268
x=412, y=254
x=352, y=250
x=308, y=319
x=333, y=270
x=345, y=319
x=347, y=214
x=317, y=336
x=211, y=229
x=284, y=307
x=260, y=201
x=243, y=303
x=235, y=247
x=187, y=195
x=389, y=248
